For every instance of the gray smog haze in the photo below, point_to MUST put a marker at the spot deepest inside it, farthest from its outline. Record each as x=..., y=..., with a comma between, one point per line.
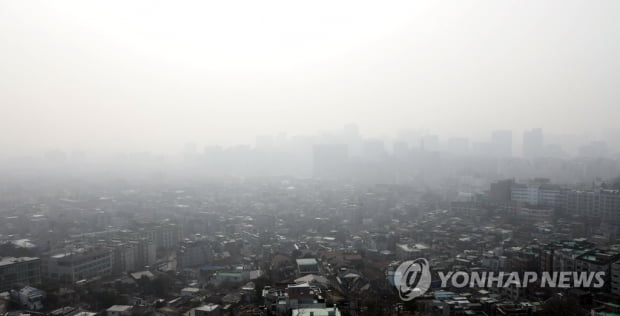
x=154, y=75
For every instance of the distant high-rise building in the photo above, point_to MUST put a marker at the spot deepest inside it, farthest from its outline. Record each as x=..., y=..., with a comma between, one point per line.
x=264, y=141
x=329, y=160
x=501, y=142
x=429, y=143
x=458, y=146
x=400, y=149
x=593, y=149
x=374, y=150
x=533, y=143
x=482, y=149
x=353, y=140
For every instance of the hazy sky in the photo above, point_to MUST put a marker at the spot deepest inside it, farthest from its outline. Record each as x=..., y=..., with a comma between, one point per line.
x=157, y=74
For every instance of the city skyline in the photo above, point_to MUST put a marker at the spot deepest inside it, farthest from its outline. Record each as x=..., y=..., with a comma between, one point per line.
x=157, y=74
x=323, y=158
x=512, y=143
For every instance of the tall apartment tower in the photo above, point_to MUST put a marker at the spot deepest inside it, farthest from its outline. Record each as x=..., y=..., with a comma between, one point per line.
x=501, y=142
x=533, y=143
x=329, y=160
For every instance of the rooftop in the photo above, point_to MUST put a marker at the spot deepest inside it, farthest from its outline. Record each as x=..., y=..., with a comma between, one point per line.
x=119, y=308
x=306, y=261
x=208, y=307
x=12, y=260
x=330, y=311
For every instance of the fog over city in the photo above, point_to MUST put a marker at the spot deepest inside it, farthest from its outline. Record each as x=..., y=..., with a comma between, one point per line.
x=323, y=158
x=102, y=76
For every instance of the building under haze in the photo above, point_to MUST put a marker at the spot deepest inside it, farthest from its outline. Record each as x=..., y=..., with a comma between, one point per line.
x=79, y=264
x=533, y=143
x=501, y=142
x=19, y=272
x=599, y=203
x=329, y=160
x=538, y=193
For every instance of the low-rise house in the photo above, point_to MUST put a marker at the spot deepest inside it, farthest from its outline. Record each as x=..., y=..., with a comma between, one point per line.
x=327, y=311
x=29, y=297
x=234, y=276
x=307, y=266
x=190, y=291
x=119, y=310
x=206, y=310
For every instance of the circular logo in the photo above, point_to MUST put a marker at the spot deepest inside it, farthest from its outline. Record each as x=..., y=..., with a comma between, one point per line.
x=412, y=278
